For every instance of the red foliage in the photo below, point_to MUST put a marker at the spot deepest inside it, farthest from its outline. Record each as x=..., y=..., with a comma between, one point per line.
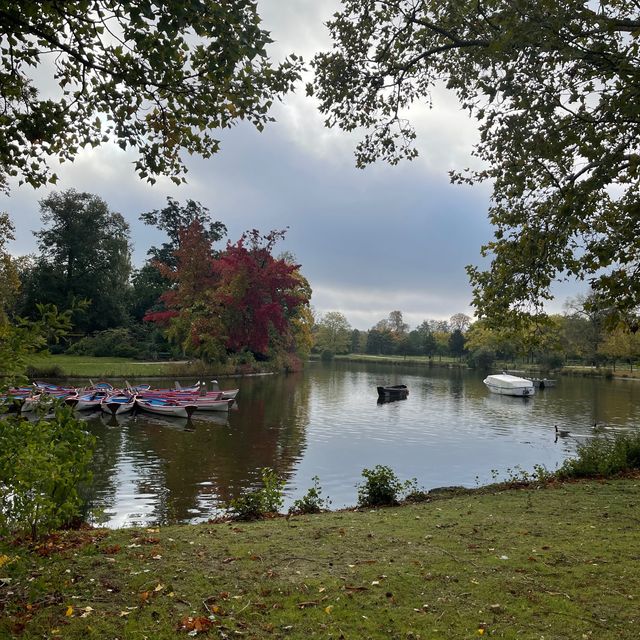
x=257, y=292
x=244, y=298
x=161, y=317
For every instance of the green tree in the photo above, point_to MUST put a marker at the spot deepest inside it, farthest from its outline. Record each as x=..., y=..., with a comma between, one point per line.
x=333, y=333
x=84, y=254
x=148, y=282
x=173, y=220
x=457, y=343
x=9, y=271
x=553, y=86
x=157, y=77
x=584, y=328
x=427, y=339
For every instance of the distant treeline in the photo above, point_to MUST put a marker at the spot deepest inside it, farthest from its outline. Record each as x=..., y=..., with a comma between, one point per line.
x=581, y=335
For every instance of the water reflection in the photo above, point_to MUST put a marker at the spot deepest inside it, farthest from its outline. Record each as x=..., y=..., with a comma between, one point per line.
x=327, y=422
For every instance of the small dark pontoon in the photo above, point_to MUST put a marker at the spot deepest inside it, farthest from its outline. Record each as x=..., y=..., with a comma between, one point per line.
x=393, y=392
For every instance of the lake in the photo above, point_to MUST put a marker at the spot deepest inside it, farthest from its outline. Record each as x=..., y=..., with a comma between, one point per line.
x=326, y=422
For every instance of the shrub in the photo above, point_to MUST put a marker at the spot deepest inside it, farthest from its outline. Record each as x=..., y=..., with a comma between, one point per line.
x=42, y=467
x=312, y=501
x=327, y=355
x=116, y=343
x=552, y=360
x=382, y=487
x=44, y=371
x=604, y=456
x=482, y=358
x=255, y=504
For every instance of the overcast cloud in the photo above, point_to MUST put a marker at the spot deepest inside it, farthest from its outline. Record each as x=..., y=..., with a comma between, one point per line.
x=369, y=241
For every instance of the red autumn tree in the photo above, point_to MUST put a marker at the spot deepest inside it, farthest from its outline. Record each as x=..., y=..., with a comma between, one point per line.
x=258, y=295
x=241, y=299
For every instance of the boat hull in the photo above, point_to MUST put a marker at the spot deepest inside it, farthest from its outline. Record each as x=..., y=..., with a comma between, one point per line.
x=167, y=409
x=506, y=385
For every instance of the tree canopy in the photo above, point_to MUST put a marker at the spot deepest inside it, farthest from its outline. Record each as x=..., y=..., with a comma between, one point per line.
x=240, y=299
x=554, y=87
x=84, y=254
x=155, y=76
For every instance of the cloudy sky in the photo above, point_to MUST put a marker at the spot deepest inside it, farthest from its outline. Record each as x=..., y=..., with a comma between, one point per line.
x=369, y=241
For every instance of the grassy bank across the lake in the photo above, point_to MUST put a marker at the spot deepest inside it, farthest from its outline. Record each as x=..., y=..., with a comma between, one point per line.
x=558, y=562
x=64, y=366
x=622, y=370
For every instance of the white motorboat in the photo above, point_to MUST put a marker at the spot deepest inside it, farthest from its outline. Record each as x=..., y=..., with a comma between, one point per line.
x=504, y=384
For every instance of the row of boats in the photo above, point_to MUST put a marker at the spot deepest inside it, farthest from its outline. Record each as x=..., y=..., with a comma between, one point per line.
x=181, y=402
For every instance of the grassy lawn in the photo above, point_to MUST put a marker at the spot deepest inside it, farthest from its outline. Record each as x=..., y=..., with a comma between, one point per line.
x=413, y=360
x=555, y=563
x=90, y=367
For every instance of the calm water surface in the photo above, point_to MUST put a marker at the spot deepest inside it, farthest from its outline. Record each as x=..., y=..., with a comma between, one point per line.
x=327, y=422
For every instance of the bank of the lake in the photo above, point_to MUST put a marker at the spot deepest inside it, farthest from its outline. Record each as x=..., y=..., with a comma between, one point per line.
x=63, y=366
x=559, y=562
x=621, y=370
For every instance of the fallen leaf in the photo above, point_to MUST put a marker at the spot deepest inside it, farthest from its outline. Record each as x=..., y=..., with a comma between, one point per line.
x=160, y=587
x=328, y=609
x=69, y=612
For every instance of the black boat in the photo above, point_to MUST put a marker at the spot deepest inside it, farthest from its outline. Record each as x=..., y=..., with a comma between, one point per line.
x=393, y=392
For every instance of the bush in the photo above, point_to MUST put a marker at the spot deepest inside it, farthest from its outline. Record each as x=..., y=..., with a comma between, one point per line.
x=312, y=501
x=115, y=343
x=42, y=467
x=46, y=371
x=382, y=487
x=604, y=457
x=482, y=358
x=327, y=355
x=552, y=360
x=259, y=502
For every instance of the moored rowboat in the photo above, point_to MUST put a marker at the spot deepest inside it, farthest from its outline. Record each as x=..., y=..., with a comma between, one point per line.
x=118, y=403
x=167, y=407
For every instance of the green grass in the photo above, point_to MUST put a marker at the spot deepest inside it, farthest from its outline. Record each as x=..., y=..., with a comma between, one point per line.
x=91, y=367
x=404, y=360
x=559, y=562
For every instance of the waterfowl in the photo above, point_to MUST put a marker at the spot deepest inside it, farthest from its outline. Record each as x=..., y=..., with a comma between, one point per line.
x=561, y=433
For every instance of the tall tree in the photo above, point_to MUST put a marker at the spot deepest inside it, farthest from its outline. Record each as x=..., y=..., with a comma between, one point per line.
x=333, y=333
x=173, y=220
x=9, y=274
x=397, y=324
x=84, y=253
x=239, y=299
x=459, y=321
x=456, y=343
x=257, y=293
x=155, y=76
x=553, y=86
x=149, y=283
